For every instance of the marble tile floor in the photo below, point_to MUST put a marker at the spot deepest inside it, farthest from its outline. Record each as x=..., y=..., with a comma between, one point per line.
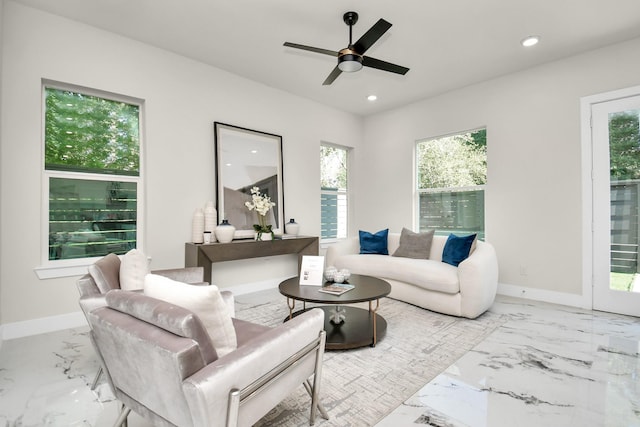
x=548, y=365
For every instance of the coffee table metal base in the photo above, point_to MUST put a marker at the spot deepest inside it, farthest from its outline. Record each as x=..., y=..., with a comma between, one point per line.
x=356, y=331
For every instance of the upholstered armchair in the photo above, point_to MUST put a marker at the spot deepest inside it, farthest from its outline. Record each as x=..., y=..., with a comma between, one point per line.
x=104, y=276
x=162, y=364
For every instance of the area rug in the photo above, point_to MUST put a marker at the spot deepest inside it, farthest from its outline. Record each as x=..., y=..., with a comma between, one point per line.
x=361, y=386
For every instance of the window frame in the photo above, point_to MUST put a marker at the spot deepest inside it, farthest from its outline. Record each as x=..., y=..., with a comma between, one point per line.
x=77, y=266
x=420, y=191
x=346, y=193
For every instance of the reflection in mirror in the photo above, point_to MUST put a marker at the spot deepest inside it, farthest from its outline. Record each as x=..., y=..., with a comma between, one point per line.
x=247, y=158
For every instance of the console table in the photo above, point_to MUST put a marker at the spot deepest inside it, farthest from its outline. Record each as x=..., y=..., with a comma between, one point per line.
x=203, y=255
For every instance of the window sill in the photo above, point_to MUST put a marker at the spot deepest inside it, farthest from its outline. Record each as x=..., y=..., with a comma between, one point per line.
x=53, y=272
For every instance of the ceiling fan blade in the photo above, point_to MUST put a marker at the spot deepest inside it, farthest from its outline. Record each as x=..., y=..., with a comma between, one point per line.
x=334, y=75
x=311, y=49
x=367, y=61
x=371, y=36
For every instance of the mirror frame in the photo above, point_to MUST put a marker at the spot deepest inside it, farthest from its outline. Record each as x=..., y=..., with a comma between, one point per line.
x=269, y=141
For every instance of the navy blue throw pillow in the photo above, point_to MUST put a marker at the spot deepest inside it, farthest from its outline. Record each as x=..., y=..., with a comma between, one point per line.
x=374, y=243
x=457, y=249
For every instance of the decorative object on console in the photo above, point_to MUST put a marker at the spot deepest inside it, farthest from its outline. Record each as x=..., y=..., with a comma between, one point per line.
x=197, y=226
x=262, y=204
x=374, y=243
x=210, y=219
x=207, y=237
x=292, y=227
x=225, y=232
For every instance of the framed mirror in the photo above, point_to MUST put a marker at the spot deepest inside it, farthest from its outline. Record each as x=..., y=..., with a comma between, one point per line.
x=245, y=159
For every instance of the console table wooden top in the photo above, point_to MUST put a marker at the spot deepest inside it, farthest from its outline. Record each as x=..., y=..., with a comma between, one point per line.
x=203, y=255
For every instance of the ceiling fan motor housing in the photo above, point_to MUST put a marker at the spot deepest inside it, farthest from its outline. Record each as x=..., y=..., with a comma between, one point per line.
x=349, y=60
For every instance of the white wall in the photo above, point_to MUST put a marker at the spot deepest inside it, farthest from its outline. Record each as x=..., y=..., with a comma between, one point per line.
x=183, y=99
x=533, y=196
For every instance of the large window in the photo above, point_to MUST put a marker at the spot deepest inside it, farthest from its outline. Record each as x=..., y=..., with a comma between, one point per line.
x=451, y=174
x=91, y=173
x=333, y=191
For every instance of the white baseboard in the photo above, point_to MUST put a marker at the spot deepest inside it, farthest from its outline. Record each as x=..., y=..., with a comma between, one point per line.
x=43, y=325
x=544, y=295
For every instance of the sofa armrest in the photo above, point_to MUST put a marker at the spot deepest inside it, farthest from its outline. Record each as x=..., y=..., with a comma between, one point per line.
x=478, y=277
x=207, y=391
x=348, y=246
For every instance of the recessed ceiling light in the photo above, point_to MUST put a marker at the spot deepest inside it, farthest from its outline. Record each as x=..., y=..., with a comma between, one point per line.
x=530, y=41
x=372, y=98
x=254, y=151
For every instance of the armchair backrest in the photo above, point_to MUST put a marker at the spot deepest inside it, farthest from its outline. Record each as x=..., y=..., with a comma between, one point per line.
x=149, y=347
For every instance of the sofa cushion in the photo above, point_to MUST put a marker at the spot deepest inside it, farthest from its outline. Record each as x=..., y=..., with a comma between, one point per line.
x=457, y=248
x=134, y=266
x=374, y=243
x=106, y=273
x=423, y=273
x=414, y=245
x=205, y=301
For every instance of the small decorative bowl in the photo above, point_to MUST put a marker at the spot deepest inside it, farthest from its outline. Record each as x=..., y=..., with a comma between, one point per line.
x=330, y=273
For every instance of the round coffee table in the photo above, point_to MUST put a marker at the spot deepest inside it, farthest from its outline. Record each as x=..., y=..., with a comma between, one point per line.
x=359, y=327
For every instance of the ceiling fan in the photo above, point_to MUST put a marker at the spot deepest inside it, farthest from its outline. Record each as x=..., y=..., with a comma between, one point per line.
x=352, y=58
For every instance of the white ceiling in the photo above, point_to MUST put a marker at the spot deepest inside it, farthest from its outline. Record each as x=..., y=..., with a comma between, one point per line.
x=447, y=44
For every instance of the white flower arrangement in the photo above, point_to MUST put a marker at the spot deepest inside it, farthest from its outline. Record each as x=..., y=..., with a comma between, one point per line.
x=261, y=204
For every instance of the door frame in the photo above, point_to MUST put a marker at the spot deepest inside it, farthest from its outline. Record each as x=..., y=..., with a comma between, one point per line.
x=586, y=104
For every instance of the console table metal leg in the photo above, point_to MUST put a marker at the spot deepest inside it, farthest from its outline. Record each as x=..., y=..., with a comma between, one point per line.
x=375, y=315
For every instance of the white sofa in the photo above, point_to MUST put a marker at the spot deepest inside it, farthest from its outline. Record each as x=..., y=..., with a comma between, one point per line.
x=465, y=291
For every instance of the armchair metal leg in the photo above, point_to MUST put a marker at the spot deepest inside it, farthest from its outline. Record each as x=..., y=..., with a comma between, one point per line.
x=234, y=408
x=317, y=375
x=323, y=412
x=122, y=418
x=96, y=379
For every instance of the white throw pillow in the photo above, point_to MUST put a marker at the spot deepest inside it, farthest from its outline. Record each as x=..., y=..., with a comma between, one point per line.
x=133, y=267
x=205, y=301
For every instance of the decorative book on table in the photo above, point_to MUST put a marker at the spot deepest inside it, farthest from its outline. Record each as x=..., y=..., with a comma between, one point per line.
x=336, y=288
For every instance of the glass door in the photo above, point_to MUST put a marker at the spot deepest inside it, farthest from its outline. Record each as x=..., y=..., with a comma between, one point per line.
x=616, y=205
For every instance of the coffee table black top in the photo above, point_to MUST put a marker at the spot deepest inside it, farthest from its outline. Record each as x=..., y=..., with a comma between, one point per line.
x=367, y=288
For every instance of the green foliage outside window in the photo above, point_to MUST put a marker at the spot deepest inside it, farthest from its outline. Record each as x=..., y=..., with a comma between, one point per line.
x=86, y=133
x=453, y=161
x=448, y=169
x=333, y=167
x=624, y=145
x=91, y=215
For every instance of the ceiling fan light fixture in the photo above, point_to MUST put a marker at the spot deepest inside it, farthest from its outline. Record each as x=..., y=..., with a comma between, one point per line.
x=350, y=62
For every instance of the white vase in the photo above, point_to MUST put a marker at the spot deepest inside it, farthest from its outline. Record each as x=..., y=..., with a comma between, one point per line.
x=197, y=226
x=225, y=232
x=210, y=219
x=263, y=237
x=292, y=227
